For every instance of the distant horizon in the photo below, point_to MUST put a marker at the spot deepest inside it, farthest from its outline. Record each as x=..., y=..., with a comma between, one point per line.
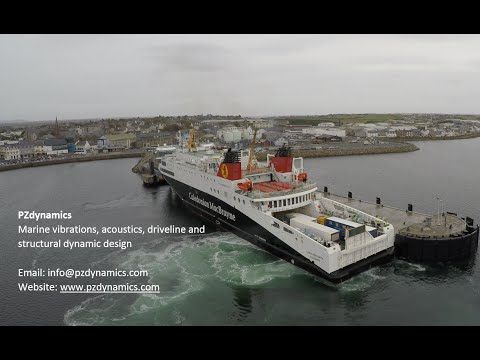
x=243, y=116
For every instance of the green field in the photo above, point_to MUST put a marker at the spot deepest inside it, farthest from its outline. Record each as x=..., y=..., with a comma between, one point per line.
x=341, y=119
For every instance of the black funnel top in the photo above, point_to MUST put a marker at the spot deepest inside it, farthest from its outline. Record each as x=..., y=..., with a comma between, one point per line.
x=284, y=151
x=231, y=156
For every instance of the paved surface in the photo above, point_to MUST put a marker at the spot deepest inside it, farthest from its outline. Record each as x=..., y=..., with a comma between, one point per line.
x=407, y=221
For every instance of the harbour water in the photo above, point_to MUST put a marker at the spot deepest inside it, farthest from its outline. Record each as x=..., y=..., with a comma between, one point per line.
x=217, y=278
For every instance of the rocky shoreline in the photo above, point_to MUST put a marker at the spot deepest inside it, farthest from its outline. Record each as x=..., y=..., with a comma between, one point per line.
x=458, y=137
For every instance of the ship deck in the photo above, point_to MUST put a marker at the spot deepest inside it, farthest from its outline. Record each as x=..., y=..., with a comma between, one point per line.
x=272, y=186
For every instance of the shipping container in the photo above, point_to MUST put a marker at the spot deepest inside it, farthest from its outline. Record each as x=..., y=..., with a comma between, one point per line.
x=341, y=225
x=310, y=227
x=321, y=219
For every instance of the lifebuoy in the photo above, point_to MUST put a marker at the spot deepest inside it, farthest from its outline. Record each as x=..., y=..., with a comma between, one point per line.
x=246, y=186
x=302, y=177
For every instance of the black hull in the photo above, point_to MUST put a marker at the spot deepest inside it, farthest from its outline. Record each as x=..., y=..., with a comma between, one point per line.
x=249, y=230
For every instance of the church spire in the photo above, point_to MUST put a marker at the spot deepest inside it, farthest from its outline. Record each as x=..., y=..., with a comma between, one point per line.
x=56, y=132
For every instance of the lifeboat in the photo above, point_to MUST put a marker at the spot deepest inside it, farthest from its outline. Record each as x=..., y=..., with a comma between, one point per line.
x=246, y=186
x=302, y=177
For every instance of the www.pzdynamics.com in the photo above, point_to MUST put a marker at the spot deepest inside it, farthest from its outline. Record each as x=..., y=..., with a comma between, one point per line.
x=91, y=288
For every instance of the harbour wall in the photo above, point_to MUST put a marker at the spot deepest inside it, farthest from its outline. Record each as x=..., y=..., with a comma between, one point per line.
x=80, y=158
x=458, y=137
x=367, y=150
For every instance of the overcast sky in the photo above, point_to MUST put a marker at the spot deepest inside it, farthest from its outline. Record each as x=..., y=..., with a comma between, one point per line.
x=95, y=76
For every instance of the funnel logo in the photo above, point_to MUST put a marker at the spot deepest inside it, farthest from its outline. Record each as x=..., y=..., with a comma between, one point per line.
x=224, y=170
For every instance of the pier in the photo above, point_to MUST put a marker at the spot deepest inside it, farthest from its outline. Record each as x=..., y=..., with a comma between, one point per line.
x=405, y=221
x=420, y=237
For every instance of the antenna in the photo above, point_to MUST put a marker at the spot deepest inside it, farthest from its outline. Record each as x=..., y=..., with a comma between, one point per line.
x=440, y=206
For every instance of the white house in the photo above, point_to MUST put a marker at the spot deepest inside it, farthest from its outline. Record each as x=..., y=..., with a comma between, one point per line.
x=83, y=146
x=391, y=133
x=372, y=133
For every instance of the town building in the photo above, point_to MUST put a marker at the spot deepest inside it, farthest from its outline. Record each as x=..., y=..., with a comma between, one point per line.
x=325, y=131
x=326, y=124
x=26, y=149
x=260, y=123
x=154, y=139
x=9, y=152
x=58, y=146
x=116, y=142
x=83, y=146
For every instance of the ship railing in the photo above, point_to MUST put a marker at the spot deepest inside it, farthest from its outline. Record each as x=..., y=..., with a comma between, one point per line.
x=257, y=194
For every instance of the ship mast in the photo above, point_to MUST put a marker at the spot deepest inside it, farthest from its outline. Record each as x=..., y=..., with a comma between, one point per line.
x=192, y=141
x=252, y=161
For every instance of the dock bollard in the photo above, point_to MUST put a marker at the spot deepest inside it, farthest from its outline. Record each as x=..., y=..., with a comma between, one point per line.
x=410, y=207
x=349, y=194
x=325, y=189
x=378, y=201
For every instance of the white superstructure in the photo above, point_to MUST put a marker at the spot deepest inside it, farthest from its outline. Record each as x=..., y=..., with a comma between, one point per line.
x=256, y=204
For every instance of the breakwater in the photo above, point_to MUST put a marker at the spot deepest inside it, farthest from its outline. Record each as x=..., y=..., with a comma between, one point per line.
x=67, y=160
x=367, y=150
x=436, y=138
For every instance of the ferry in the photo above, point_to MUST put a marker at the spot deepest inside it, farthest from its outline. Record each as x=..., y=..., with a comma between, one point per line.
x=276, y=206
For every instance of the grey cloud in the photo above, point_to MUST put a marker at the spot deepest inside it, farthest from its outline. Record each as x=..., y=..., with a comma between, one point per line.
x=194, y=56
x=126, y=75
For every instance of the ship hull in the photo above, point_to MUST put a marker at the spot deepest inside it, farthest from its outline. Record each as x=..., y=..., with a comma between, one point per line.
x=248, y=229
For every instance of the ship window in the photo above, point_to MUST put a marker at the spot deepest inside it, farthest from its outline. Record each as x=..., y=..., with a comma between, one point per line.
x=288, y=201
x=269, y=204
x=287, y=230
x=238, y=199
x=284, y=202
x=243, y=202
x=275, y=225
x=275, y=203
x=234, y=198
